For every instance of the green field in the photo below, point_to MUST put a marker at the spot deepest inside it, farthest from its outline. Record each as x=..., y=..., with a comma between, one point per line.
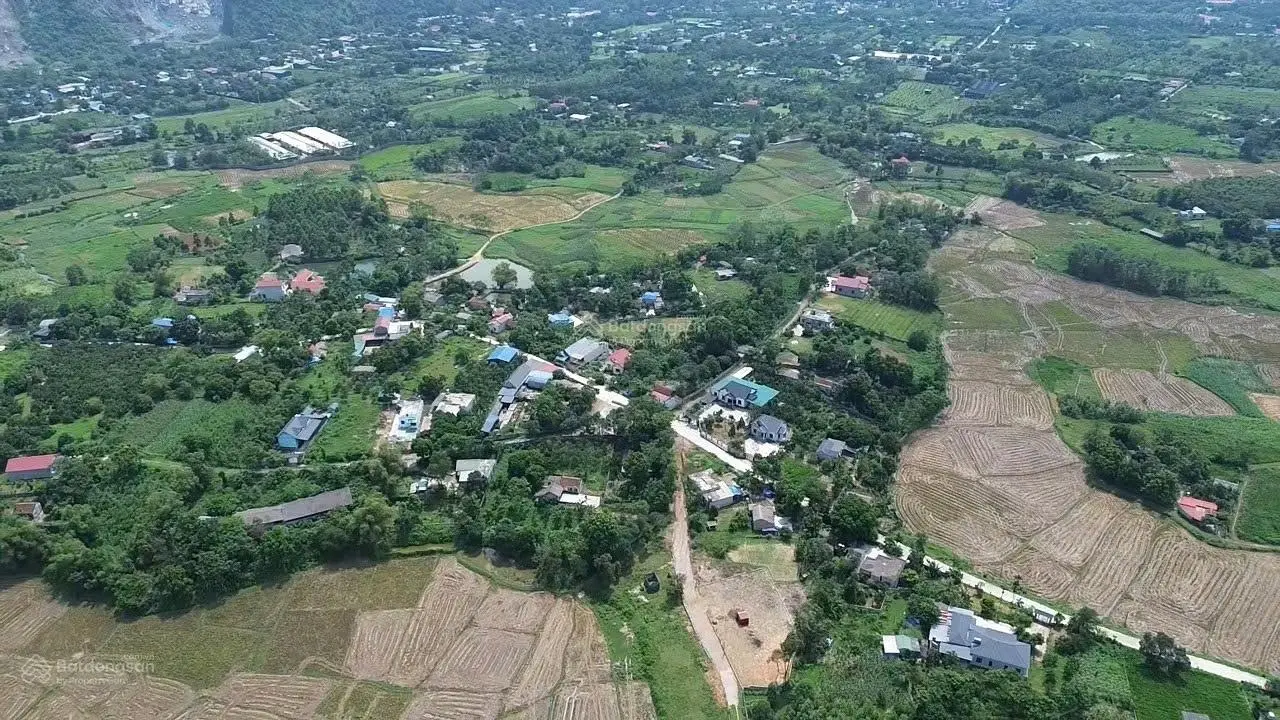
x=894, y=321
x=985, y=314
x=440, y=362
x=470, y=107
x=278, y=115
x=1060, y=376
x=349, y=434
x=1224, y=99
x=1156, y=698
x=924, y=102
x=793, y=184
x=1230, y=380
x=992, y=137
x=1135, y=133
x=1258, y=513
x=396, y=162
x=1053, y=242
x=627, y=333
x=717, y=291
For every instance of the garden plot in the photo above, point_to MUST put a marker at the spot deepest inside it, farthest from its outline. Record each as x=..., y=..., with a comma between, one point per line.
x=1159, y=393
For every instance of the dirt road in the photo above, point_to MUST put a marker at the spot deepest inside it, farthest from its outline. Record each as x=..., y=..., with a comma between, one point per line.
x=693, y=604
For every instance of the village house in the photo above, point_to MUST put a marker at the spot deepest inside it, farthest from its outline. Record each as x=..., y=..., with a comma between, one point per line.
x=1195, y=213
x=307, y=281
x=740, y=393
x=816, y=320
x=192, y=296
x=501, y=323
x=726, y=273
x=565, y=490
x=617, y=361
x=290, y=252
x=31, y=467
x=474, y=470
x=561, y=320
x=766, y=521
x=32, y=511
x=454, y=404
x=503, y=355
x=831, y=449
x=717, y=492
x=877, y=567
x=858, y=286
x=432, y=298
x=583, y=352
x=665, y=396
x=768, y=428
x=1196, y=510
x=296, y=511
x=979, y=642
x=269, y=288
x=899, y=647
x=302, y=428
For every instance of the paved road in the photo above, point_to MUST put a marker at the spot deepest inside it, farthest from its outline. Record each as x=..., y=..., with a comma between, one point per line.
x=693, y=605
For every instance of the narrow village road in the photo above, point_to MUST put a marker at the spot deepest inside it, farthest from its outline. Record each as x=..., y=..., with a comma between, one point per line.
x=693, y=605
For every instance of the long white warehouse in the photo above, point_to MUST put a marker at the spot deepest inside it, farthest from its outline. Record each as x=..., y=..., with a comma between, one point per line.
x=320, y=135
x=273, y=151
x=297, y=142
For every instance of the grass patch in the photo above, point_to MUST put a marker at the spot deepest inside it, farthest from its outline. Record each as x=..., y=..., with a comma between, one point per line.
x=1136, y=133
x=1259, y=512
x=627, y=333
x=654, y=639
x=277, y=114
x=992, y=137
x=234, y=433
x=1158, y=698
x=777, y=558
x=1234, y=441
x=349, y=434
x=441, y=360
x=1226, y=99
x=397, y=161
x=188, y=648
x=1061, y=376
x=1230, y=380
x=470, y=107
x=925, y=102
x=554, y=245
x=985, y=314
x=891, y=320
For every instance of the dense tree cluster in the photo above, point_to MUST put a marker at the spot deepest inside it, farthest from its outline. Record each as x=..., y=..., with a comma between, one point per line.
x=1154, y=468
x=1098, y=263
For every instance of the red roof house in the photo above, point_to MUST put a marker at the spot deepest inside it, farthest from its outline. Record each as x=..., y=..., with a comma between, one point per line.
x=269, y=288
x=30, y=467
x=307, y=281
x=900, y=161
x=857, y=286
x=1195, y=509
x=618, y=360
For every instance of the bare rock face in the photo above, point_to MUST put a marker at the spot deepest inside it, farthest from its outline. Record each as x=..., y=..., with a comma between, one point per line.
x=137, y=21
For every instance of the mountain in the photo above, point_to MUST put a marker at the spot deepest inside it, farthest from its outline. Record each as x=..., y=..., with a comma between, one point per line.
x=56, y=28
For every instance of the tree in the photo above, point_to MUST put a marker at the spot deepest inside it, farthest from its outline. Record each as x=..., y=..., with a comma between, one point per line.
x=76, y=275
x=1081, y=632
x=924, y=610
x=1162, y=654
x=853, y=520
x=918, y=340
x=504, y=275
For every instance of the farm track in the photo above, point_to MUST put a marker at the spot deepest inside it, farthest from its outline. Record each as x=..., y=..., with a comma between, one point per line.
x=1000, y=488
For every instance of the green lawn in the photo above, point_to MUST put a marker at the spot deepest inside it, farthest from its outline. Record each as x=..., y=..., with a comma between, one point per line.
x=1259, y=512
x=1134, y=133
x=894, y=321
x=1157, y=698
x=396, y=162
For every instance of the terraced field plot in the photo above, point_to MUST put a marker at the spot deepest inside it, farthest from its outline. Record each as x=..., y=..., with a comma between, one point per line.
x=892, y=320
x=451, y=646
x=925, y=102
x=1001, y=489
x=1159, y=393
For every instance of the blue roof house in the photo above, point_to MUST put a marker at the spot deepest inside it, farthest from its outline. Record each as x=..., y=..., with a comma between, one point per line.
x=561, y=319
x=163, y=323
x=651, y=299
x=504, y=354
x=1273, y=227
x=739, y=393
x=301, y=429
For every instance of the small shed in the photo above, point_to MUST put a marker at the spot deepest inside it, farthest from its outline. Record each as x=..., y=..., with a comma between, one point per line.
x=741, y=617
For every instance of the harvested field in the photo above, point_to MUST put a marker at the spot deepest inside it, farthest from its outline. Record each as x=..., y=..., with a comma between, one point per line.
x=454, y=705
x=586, y=660
x=635, y=701
x=1002, y=214
x=495, y=212
x=275, y=696
x=1268, y=404
x=588, y=702
x=982, y=403
x=1009, y=496
x=754, y=651
x=543, y=671
x=483, y=660
x=26, y=608
x=511, y=610
x=1159, y=393
x=1187, y=168
x=235, y=179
